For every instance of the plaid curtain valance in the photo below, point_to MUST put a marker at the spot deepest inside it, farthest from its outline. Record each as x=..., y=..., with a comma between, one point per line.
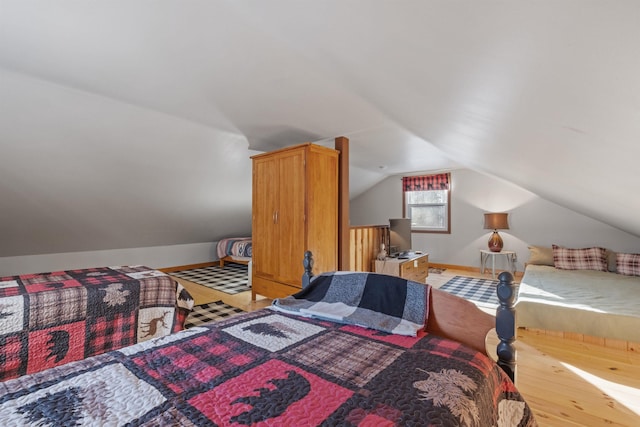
x=426, y=182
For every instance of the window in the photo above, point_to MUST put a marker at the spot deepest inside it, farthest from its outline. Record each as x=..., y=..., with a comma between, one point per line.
x=427, y=201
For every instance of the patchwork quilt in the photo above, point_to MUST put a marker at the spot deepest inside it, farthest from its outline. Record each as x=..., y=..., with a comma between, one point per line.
x=271, y=368
x=50, y=319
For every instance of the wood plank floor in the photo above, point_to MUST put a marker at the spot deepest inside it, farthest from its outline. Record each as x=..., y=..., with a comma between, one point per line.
x=566, y=383
x=202, y=295
x=570, y=383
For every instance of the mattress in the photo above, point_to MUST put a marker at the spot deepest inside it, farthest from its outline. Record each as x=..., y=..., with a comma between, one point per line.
x=588, y=302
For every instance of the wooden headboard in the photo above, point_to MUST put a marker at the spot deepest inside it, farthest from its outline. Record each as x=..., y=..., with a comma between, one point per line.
x=455, y=318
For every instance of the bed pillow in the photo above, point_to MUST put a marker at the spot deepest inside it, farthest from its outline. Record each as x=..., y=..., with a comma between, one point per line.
x=612, y=260
x=580, y=259
x=540, y=255
x=628, y=264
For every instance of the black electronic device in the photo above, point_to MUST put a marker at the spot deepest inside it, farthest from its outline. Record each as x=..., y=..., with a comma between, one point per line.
x=400, y=237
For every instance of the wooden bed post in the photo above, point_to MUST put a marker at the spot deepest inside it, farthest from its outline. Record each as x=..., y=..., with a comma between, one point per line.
x=506, y=324
x=307, y=262
x=342, y=145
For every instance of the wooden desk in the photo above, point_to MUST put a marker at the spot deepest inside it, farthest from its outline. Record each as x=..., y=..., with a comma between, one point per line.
x=415, y=268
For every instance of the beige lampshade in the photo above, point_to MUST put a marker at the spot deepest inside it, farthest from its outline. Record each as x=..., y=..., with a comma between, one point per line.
x=496, y=221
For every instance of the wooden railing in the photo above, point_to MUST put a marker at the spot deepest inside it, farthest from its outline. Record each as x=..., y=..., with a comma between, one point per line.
x=364, y=245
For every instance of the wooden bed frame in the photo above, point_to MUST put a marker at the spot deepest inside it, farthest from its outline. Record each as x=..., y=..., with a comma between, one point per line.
x=460, y=320
x=229, y=258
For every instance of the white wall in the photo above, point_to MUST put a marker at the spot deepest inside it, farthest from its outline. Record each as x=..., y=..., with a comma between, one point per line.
x=532, y=220
x=84, y=172
x=154, y=257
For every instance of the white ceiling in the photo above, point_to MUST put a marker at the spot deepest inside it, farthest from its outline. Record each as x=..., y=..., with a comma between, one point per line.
x=111, y=109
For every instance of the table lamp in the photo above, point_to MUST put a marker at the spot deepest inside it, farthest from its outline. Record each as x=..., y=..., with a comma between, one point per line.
x=495, y=222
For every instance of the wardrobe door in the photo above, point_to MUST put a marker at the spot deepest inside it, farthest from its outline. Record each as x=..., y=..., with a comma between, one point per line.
x=291, y=216
x=264, y=217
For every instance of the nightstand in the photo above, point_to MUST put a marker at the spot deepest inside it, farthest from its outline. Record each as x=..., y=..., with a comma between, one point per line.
x=485, y=254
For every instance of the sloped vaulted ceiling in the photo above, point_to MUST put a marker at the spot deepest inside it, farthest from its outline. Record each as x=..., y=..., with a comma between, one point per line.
x=130, y=123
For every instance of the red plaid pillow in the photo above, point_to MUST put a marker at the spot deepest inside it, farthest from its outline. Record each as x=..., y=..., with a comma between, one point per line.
x=580, y=259
x=628, y=264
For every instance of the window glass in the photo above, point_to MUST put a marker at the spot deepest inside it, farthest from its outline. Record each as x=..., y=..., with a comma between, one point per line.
x=428, y=208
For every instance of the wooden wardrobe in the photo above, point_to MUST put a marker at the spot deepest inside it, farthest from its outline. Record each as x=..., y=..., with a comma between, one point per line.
x=295, y=209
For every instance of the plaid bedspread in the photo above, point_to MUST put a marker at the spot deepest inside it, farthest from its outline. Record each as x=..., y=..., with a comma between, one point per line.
x=377, y=301
x=269, y=368
x=50, y=319
x=234, y=246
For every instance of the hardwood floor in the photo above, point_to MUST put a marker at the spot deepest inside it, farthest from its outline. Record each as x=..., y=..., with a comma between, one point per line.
x=202, y=295
x=566, y=383
x=570, y=383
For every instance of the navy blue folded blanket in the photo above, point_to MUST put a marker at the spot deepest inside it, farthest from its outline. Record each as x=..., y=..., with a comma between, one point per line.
x=376, y=301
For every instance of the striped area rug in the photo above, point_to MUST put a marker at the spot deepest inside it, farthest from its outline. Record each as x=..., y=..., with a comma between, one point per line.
x=210, y=312
x=481, y=292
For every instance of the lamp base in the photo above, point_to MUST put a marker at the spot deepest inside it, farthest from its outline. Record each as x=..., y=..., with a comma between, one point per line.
x=495, y=242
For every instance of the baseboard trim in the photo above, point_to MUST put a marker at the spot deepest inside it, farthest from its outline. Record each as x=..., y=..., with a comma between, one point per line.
x=188, y=267
x=454, y=267
x=469, y=268
x=588, y=339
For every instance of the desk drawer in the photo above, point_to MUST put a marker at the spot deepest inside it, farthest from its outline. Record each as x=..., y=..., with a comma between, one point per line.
x=416, y=270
